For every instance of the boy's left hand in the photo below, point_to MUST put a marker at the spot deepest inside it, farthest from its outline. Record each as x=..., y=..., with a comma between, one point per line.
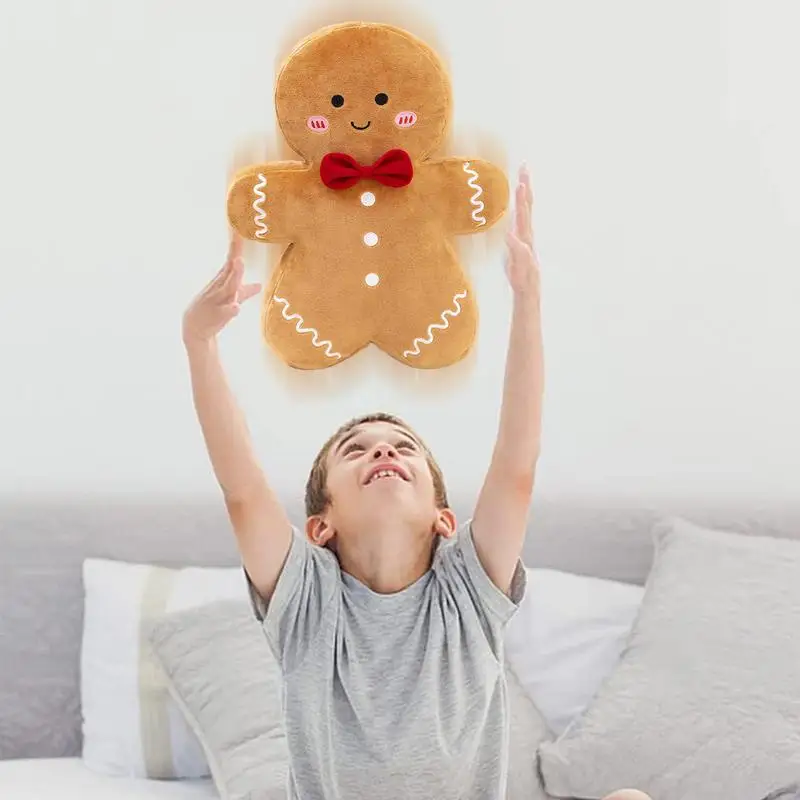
x=522, y=263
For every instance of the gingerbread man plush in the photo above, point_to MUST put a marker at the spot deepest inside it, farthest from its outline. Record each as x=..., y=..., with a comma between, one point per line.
x=368, y=217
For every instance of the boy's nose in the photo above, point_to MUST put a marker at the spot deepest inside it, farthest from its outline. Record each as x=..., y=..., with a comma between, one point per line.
x=383, y=451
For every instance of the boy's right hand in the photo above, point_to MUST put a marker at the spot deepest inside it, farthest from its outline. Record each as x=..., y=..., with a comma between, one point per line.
x=220, y=300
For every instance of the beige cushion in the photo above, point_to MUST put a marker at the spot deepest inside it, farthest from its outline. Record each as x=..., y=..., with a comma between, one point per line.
x=705, y=702
x=528, y=730
x=223, y=677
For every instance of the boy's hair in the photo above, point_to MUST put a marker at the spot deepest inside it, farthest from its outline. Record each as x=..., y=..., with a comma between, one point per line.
x=317, y=498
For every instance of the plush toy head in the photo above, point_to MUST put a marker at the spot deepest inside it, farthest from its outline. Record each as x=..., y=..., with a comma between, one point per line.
x=367, y=215
x=357, y=88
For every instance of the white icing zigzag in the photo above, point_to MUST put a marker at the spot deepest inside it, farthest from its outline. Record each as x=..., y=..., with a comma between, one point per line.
x=315, y=340
x=258, y=207
x=473, y=184
x=442, y=326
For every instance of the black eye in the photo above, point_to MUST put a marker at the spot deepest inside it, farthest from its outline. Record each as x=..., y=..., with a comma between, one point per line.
x=382, y=99
x=337, y=101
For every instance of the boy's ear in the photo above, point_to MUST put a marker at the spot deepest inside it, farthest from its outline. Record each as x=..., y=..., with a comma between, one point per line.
x=445, y=524
x=319, y=530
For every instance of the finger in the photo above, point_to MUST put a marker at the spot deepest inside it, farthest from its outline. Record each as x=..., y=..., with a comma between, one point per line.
x=525, y=179
x=217, y=286
x=235, y=247
x=233, y=257
x=233, y=279
x=223, y=270
x=247, y=291
x=522, y=218
x=216, y=281
x=527, y=224
x=516, y=246
x=519, y=250
x=231, y=309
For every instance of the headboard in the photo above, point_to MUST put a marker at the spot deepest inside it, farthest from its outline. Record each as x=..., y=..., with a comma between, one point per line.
x=43, y=541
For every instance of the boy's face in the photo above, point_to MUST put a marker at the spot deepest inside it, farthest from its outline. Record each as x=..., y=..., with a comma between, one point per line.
x=378, y=471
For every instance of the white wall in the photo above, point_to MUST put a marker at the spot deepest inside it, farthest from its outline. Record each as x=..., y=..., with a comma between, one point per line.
x=663, y=139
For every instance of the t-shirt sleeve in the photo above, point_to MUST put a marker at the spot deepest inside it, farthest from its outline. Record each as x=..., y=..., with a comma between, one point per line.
x=473, y=590
x=295, y=613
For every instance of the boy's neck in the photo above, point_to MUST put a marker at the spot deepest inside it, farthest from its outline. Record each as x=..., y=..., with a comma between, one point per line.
x=386, y=562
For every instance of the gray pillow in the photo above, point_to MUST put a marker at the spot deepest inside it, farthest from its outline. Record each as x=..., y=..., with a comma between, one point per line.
x=705, y=701
x=528, y=730
x=785, y=793
x=224, y=678
x=222, y=675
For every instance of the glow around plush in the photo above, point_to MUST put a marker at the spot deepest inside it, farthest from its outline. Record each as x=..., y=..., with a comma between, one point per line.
x=367, y=217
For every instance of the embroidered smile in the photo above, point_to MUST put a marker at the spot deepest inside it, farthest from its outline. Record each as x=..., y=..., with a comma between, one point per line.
x=361, y=127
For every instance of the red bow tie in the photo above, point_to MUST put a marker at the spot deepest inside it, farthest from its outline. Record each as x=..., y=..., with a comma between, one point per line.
x=340, y=171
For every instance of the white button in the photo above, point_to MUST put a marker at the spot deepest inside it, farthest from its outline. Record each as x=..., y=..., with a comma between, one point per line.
x=367, y=199
x=371, y=279
x=370, y=239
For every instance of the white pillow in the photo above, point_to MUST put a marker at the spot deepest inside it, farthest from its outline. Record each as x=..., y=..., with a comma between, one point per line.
x=131, y=725
x=567, y=637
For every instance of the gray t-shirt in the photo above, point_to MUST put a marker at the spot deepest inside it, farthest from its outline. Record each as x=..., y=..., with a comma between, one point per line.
x=392, y=697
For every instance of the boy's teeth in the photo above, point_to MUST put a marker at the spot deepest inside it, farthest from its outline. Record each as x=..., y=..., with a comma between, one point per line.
x=384, y=473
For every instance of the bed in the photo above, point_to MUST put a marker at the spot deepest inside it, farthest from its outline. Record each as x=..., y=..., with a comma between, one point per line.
x=45, y=540
x=69, y=779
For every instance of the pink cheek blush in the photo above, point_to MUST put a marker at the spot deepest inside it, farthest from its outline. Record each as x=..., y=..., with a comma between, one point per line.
x=318, y=124
x=405, y=119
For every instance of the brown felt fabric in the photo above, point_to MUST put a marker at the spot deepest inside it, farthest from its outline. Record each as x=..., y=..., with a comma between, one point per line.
x=319, y=308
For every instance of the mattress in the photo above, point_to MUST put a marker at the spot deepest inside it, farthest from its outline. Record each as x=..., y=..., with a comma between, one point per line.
x=69, y=779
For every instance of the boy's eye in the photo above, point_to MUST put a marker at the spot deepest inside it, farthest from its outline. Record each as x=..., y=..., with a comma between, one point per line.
x=353, y=447
x=406, y=445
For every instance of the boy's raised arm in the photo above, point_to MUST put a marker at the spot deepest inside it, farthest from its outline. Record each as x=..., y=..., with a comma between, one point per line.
x=501, y=514
x=261, y=525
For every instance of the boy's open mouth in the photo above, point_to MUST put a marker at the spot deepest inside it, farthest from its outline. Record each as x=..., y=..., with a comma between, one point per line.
x=386, y=472
x=361, y=127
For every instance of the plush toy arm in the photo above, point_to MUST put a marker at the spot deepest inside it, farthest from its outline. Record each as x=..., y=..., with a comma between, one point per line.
x=262, y=200
x=473, y=193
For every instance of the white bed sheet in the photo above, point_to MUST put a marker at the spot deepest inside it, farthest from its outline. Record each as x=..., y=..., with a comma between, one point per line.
x=69, y=779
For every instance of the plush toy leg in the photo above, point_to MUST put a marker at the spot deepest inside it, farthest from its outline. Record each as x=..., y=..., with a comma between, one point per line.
x=436, y=330
x=308, y=323
x=627, y=794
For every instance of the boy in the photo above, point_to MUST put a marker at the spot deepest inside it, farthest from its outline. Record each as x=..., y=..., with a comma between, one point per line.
x=387, y=624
